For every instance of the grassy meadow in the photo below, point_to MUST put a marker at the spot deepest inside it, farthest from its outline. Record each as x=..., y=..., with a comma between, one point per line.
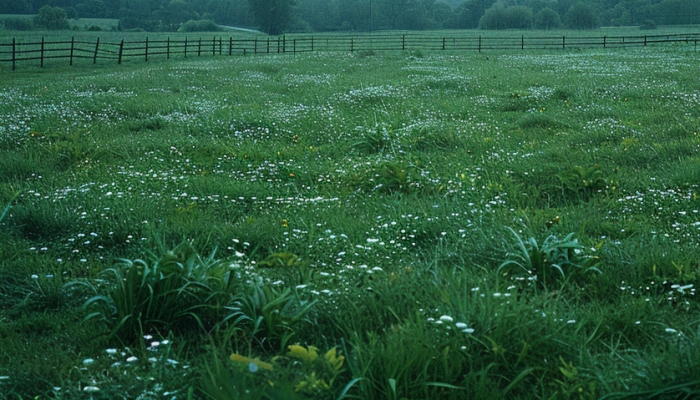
x=396, y=225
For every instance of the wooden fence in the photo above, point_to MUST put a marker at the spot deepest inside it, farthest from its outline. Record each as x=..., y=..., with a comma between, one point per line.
x=72, y=50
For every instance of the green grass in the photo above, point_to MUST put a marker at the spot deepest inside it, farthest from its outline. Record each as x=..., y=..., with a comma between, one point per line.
x=432, y=217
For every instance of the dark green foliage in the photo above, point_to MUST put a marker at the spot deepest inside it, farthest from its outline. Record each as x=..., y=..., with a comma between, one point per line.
x=501, y=17
x=581, y=16
x=52, y=18
x=272, y=16
x=547, y=19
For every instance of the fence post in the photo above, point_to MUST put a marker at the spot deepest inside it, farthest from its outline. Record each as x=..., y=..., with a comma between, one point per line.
x=352, y=44
x=279, y=42
x=284, y=43
x=605, y=41
x=522, y=42
x=645, y=40
x=268, y=45
x=255, y=45
x=220, y=44
x=213, y=46
x=167, y=48
x=479, y=43
x=146, y=48
x=294, y=44
x=563, y=42
x=72, y=46
x=312, y=43
x=121, y=52
x=14, y=53
x=97, y=47
x=443, y=43
x=185, y=46
x=199, y=48
x=42, y=52
x=403, y=42
x=230, y=45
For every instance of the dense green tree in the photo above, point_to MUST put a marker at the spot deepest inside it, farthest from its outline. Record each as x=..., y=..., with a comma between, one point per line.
x=495, y=17
x=501, y=17
x=520, y=17
x=670, y=12
x=276, y=16
x=272, y=16
x=470, y=12
x=322, y=15
x=581, y=16
x=91, y=9
x=15, y=7
x=174, y=14
x=52, y=18
x=547, y=18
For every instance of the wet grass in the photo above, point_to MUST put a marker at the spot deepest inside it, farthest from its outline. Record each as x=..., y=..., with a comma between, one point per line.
x=522, y=226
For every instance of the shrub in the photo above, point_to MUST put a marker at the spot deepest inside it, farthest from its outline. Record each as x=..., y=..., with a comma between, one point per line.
x=199, y=26
x=495, y=17
x=500, y=17
x=581, y=16
x=547, y=19
x=52, y=18
x=519, y=17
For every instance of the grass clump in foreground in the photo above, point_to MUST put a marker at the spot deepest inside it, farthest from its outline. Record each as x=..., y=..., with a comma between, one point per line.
x=339, y=226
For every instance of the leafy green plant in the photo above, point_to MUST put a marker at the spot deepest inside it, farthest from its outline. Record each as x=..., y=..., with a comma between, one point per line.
x=553, y=261
x=583, y=182
x=177, y=291
x=392, y=177
x=574, y=386
x=269, y=316
x=378, y=140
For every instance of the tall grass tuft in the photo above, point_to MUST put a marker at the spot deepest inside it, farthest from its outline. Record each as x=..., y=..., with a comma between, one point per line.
x=178, y=290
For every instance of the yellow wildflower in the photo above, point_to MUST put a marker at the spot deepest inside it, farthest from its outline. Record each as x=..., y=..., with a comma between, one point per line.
x=335, y=360
x=307, y=355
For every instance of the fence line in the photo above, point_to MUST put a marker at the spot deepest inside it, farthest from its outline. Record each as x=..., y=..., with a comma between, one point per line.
x=17, y=51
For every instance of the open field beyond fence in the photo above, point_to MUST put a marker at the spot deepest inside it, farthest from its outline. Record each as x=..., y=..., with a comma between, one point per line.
x=16, y=52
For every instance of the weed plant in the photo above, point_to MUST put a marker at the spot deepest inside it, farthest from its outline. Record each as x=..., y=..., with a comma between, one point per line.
x=333, y=226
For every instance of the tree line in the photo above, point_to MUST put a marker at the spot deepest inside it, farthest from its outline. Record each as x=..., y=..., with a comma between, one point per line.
x=279, y=16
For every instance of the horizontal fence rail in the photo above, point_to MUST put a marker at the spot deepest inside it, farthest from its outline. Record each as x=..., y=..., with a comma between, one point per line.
x=17, y=51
